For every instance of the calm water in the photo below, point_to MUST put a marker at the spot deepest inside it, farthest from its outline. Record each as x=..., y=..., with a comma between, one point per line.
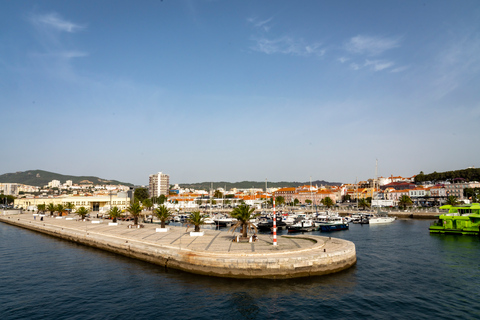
x=402, y=272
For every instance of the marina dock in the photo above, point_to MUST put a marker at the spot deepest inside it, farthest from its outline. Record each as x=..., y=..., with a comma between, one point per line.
x=215, y=253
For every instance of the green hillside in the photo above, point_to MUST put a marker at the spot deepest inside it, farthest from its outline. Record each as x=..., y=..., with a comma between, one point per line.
x=41, y=178
x=470, y=174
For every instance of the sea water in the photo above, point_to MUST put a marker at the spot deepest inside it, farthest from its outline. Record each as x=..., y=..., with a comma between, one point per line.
x=402, y=272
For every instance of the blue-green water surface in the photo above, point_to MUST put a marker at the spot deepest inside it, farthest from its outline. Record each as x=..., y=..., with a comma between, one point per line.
x=402, y=272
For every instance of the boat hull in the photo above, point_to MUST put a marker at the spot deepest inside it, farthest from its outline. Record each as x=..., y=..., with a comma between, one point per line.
x=333, y=227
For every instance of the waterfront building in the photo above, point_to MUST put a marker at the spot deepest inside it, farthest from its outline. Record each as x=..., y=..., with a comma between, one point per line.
x=399, y=185
x=456, y=189
x=287, y=193
x=307, y=192
x=159, y=184
x=95, y=203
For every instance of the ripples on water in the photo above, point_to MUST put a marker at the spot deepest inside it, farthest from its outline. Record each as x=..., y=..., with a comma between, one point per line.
x=402, y=272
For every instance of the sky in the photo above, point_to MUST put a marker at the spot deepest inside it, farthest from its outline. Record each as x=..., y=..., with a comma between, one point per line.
x=239, y=90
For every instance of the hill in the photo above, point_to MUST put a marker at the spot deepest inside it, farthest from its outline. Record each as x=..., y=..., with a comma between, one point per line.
x=41, y=178
x=253, y=184
x=469, y=174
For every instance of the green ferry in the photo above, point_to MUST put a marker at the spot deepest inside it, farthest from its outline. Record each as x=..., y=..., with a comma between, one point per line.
x=460, y=219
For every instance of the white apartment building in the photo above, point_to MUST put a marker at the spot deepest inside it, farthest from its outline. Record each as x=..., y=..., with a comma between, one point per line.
x=54, y=184
x=159, y=183
x=11, y=189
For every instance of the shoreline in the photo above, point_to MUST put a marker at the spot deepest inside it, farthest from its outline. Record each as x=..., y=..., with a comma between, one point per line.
x=213, y=254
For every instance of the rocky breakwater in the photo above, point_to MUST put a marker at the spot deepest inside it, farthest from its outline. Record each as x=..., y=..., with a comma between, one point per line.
x=214, y=254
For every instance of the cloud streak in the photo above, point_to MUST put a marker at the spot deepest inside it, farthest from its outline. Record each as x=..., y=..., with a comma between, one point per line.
x=264, y=24
x=54, y=21
x=371, y=46
x=56, y=56
x=287, y=45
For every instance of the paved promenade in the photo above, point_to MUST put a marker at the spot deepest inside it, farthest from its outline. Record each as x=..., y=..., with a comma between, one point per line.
x=212, y=254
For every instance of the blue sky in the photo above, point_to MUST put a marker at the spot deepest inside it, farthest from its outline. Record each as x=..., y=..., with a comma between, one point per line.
x=239, y=90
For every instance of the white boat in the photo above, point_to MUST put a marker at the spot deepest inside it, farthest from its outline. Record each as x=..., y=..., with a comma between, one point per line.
x=379, y=220
x=209, y=221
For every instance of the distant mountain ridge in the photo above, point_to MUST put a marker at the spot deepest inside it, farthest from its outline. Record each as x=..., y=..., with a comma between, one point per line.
x=41, y=178
x=254, y=184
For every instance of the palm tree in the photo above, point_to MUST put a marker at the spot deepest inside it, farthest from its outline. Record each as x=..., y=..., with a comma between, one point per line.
x=115, y=213
x=41, y=208
x=60, y=208
x=70, y=206
x=52, y=208
x=82, y=212
x=451, y=200
x=135, y=209
x=405, y=201
x=243, y=214
x=328, y=202
x=163, y=213
x=363, y=203
x=197, y=219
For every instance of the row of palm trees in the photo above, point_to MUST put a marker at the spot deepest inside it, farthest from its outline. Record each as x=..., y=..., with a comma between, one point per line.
x=242, y=213
x=52, y=208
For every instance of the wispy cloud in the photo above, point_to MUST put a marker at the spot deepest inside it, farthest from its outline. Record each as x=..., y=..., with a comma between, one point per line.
x=55, y=56
x=456, y=63
x=53, y=20
x=371, y=46
x=399, y=69
x=375, y=65
x=261, y=24
x=287, y=45
x=378, y=65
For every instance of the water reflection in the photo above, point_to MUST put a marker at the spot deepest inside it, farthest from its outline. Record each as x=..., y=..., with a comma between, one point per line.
x=244, y=304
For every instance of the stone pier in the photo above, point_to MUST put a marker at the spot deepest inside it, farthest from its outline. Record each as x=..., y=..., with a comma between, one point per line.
x=213, y=254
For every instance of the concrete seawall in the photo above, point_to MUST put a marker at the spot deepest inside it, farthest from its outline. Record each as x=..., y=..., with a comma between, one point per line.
x=212, y=254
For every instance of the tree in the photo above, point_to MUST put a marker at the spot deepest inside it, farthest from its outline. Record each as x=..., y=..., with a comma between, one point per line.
x=82, y=212
x=115, y=213
x=405, y=201
x=296, y=201
x=140, y=194
x=308, y=201
x=60, y=208
x=217, y=194
x=70, y=206
x=161, y=199
x=52, y=208
x=163, y=213
x=279, y=200
x=327, y=202
x=472, y=194
x=147, y=203
x=7, y=199
x=197, y=219
x=135, y=209
x=41, y=208
x=363, y=203
x=451, y=200
x=243, y=214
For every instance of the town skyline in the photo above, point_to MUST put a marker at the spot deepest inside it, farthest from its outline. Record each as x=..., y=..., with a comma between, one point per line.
x=19, y=177
x=240, y=91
